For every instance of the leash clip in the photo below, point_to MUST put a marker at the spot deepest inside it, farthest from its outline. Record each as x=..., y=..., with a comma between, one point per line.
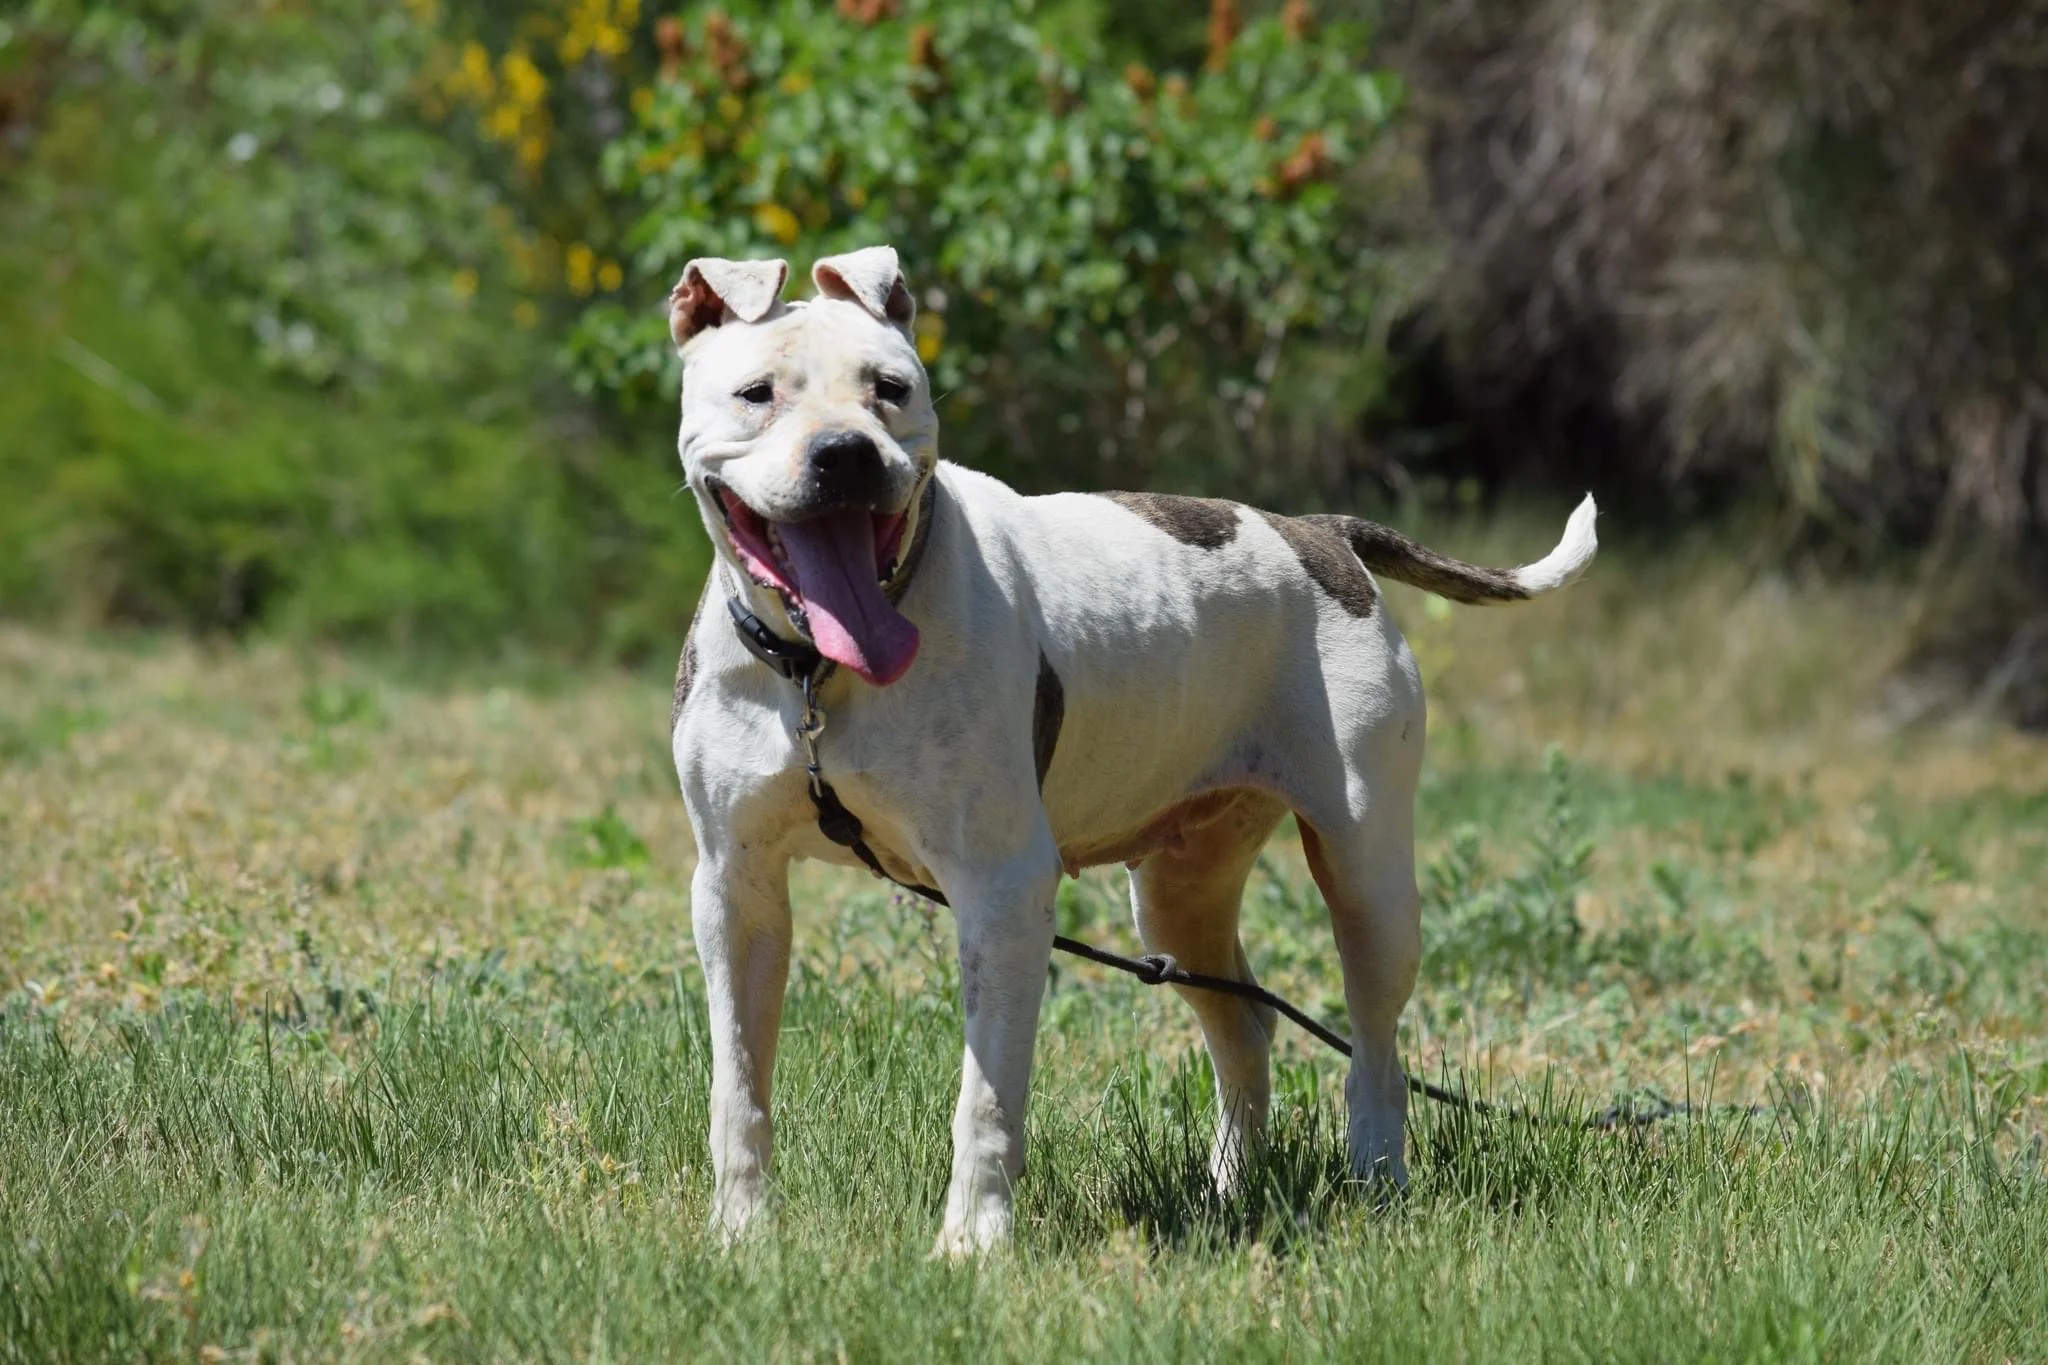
x=807, y=729
x=797, y=661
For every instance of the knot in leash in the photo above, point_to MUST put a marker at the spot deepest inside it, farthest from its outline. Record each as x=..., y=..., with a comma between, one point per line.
x=1157, y=968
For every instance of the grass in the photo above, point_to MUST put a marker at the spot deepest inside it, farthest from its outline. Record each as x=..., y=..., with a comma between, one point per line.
x=352, y=1014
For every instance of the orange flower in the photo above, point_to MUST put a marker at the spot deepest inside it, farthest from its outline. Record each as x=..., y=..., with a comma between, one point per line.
x=672, y=43
x=924, y=49
x=727, y=49
x=1225, y=23
x=1309, y=161
x=868, y=13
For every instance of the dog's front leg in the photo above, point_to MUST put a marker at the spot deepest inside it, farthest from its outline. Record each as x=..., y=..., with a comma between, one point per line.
x=739, y=911
x=1006, y=930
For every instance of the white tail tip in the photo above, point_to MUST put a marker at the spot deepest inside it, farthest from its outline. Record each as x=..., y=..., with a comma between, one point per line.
x=1573, y=553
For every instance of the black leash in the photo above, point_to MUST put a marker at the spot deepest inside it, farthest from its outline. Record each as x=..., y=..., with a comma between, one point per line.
x=800, y=663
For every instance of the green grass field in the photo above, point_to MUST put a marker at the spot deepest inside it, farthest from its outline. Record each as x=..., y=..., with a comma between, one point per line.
x=351, y=1014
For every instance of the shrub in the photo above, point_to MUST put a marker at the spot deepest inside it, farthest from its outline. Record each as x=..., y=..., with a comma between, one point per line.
x=1789, y=246
x=267, y=362
x=1106, y=259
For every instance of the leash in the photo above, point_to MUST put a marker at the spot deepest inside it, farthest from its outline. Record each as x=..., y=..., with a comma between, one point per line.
x=800, y=663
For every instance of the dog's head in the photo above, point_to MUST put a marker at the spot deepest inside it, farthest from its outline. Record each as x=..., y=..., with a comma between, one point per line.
x=807, y=436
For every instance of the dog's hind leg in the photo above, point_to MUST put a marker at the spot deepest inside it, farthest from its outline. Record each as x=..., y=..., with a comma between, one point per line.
x=1367, y=874
x=740, y=916
x=1185, y=901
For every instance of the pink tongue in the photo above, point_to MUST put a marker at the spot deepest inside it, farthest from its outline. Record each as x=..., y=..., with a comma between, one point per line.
x=852, y=623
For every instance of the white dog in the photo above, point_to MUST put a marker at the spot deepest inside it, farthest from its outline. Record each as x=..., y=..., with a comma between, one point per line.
x=1020, y=687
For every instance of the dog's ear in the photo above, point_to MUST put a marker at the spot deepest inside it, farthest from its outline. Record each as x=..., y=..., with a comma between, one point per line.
x=711, y=288
x=870, y=278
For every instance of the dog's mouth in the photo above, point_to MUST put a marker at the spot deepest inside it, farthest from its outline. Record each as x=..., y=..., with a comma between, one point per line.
x=831, y=571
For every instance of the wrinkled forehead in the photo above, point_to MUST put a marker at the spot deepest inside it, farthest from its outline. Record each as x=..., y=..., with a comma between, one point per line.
x=821, y=337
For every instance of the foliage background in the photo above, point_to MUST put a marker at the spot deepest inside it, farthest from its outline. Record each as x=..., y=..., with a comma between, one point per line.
x=343, y=319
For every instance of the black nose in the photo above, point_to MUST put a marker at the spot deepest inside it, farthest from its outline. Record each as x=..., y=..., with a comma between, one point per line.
x=844, y=466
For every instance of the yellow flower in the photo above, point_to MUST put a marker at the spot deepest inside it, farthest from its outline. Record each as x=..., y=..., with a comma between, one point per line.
x=930, y=329
x=643, y=100
x=778, y=222
x=533, y=150
x=526, y=315
x=502, y=125
x=795, y=83
x=579, y=266
x=463, y=284
x=610, y=277
x=730, y=108
x=524, y=85
x=475, y=77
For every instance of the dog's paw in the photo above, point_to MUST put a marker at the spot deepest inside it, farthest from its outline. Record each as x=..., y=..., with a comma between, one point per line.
x=969, y=1239
x=1382, y=1181
x=736, y=1217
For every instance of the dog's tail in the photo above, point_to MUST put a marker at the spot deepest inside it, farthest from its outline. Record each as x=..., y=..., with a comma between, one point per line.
x=1386, y=551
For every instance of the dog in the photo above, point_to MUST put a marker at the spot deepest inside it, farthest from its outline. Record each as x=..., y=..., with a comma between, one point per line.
x=1011, y=689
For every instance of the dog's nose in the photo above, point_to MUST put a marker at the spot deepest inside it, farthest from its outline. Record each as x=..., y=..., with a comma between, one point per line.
x=845, y=465
x=836, y=454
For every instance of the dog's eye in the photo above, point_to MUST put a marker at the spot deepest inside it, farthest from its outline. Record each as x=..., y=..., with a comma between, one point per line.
x=891, y=390
x=757, y=393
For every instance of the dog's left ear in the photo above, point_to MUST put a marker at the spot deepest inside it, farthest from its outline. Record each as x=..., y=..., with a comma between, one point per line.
x=869, y=277
x=712, y=287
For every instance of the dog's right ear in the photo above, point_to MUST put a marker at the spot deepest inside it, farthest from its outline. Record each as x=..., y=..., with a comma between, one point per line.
x=871, y=278
x=712, y=288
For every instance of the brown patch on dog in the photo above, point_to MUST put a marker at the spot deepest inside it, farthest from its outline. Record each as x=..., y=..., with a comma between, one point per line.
x=1386, y=551
x=1207, y=523
x=1048, y=709
x=686, y=666
x=1325, y=555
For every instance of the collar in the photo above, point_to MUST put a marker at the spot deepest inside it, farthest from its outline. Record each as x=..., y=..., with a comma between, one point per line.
x=798, y=660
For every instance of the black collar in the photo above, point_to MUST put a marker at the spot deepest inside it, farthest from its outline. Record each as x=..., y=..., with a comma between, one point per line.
x=795, y=660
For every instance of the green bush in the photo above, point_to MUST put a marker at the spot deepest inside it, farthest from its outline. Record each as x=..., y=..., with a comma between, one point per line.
x=264, y=364
x=282, y=289
x=1106, y=259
